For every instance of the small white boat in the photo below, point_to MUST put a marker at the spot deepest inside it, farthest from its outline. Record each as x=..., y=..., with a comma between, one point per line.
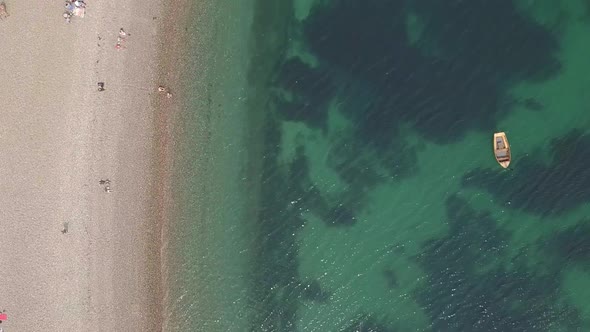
x=502, y=149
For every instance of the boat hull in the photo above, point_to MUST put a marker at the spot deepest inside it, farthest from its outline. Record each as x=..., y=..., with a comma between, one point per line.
x=502, y=149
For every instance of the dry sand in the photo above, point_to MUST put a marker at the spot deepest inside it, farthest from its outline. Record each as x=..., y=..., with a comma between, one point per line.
x=58, y=137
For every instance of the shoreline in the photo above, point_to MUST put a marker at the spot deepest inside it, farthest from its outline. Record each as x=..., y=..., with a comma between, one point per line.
x=170, y=75
x=60, y=136
x=208, y=166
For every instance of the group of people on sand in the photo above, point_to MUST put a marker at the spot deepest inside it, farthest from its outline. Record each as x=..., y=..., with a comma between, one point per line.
x=76, y=7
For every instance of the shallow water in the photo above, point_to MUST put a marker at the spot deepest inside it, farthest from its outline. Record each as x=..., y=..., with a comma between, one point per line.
x=355, y=188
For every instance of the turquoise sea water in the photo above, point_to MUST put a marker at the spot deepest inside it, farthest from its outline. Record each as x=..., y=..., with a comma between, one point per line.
x=335, y=170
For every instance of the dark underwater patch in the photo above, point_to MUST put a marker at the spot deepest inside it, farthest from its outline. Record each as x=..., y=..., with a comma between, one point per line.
x=533, y=104
x=391, y=278
x=307, y=197
x=538, y=188
x=340, y=215
x=354, y=165
x=485, y=47
x=468, y=290
x=492, y=37
x=571, y=245
x=310, y=89
x=382, y=81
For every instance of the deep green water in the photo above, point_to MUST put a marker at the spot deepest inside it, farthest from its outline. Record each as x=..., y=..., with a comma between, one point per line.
x=335, y=169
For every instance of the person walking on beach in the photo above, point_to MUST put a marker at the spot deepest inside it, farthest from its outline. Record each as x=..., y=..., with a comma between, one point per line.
x=121, y=39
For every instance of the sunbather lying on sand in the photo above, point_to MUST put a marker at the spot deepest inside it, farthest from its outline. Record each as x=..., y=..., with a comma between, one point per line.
x=3, y=13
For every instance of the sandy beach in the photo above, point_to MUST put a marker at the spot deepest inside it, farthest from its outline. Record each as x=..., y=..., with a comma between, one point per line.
x=59, y=136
